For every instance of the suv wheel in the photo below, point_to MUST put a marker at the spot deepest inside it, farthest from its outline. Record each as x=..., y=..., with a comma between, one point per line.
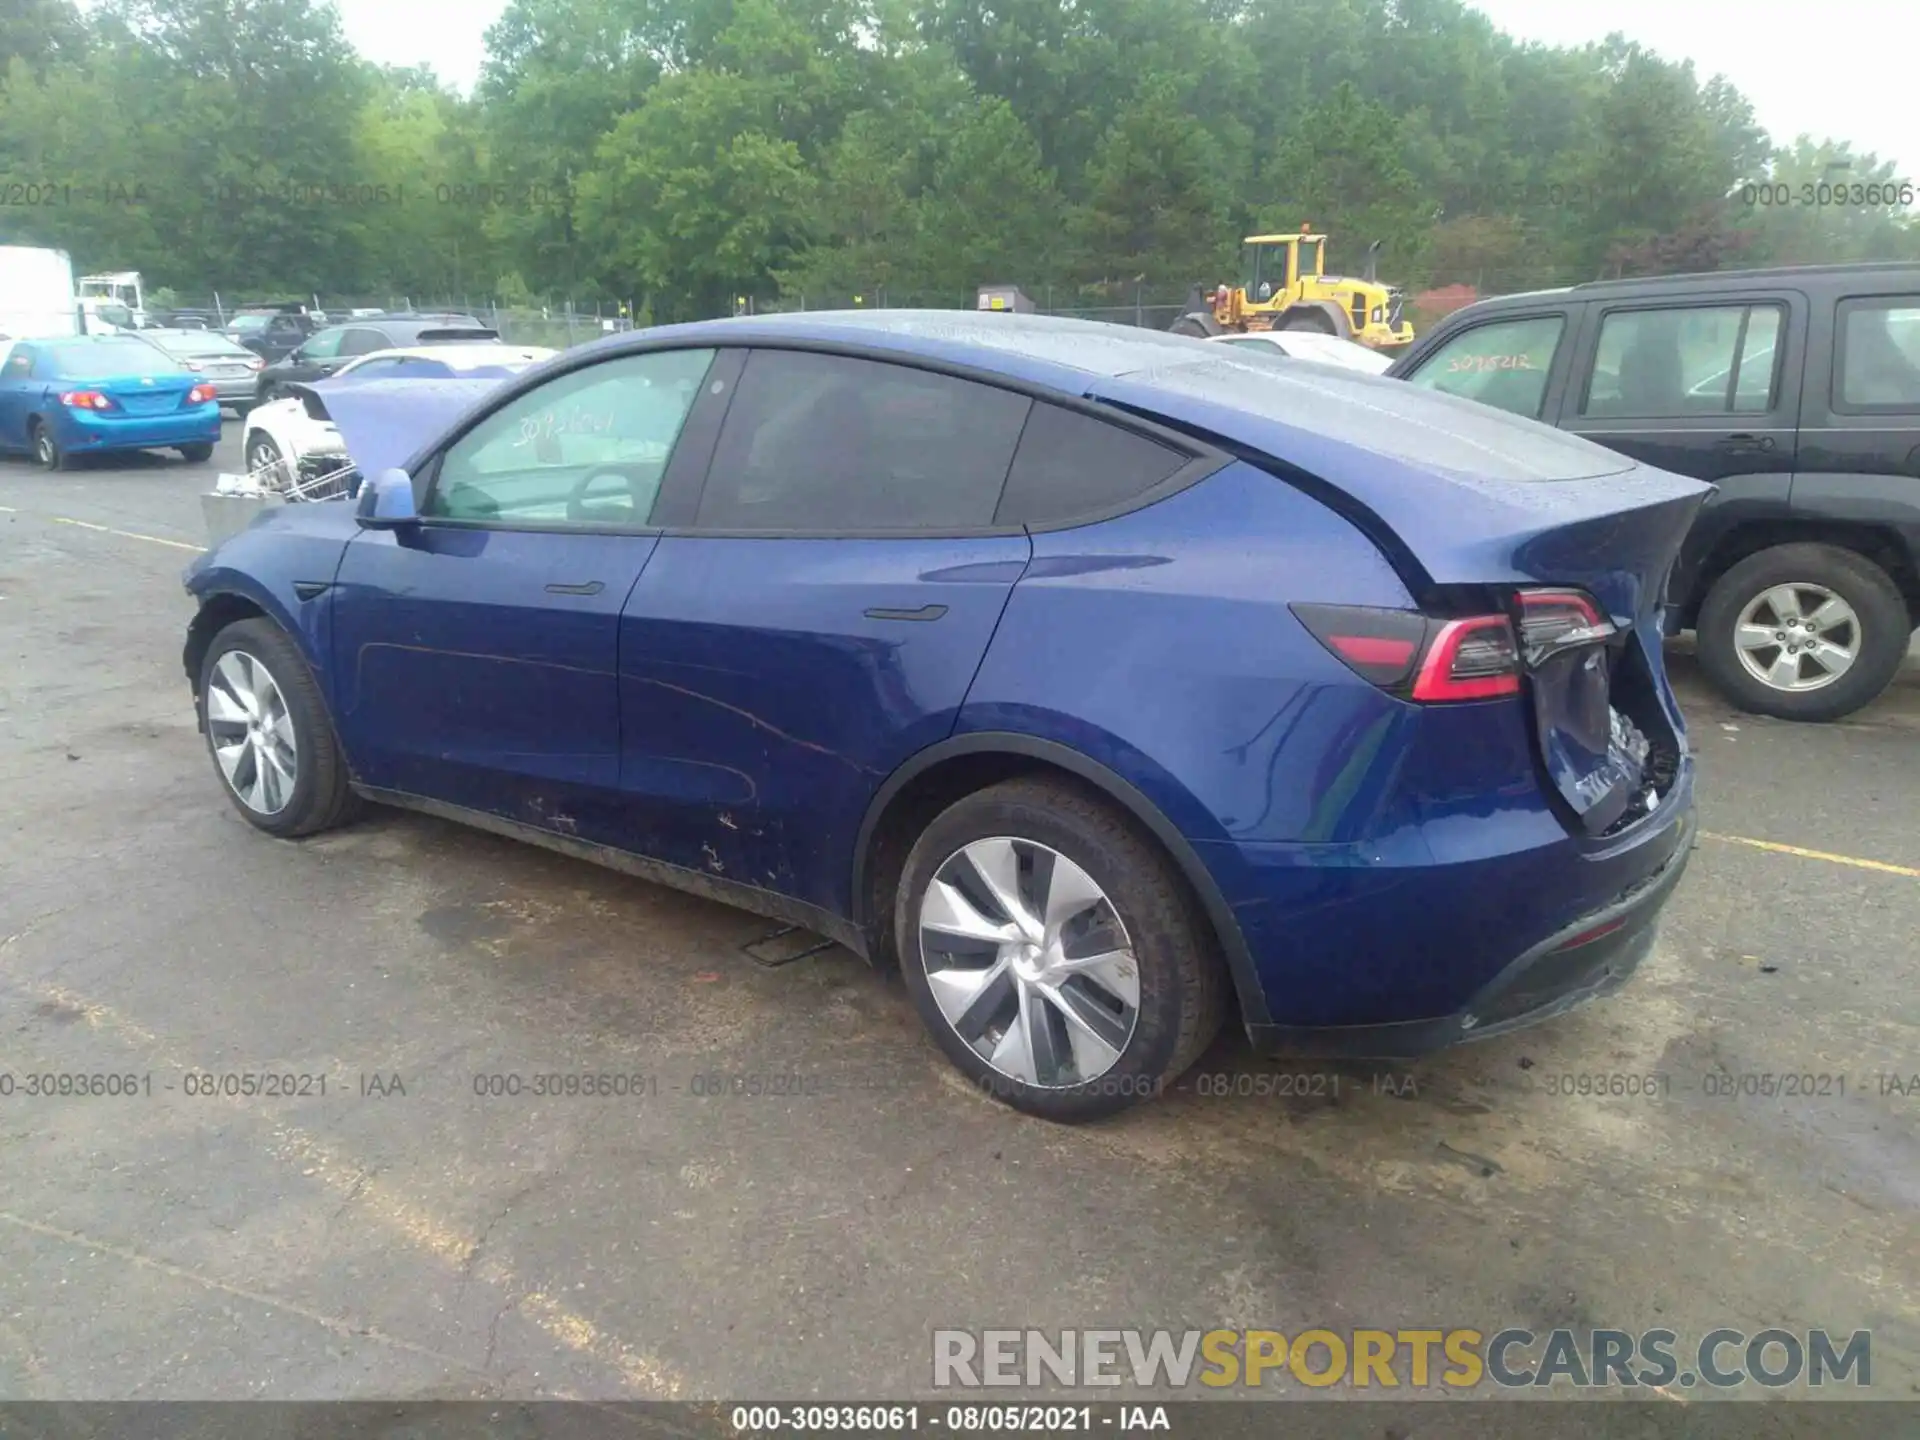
x=1803, y=632
x=268, y=732
x=1054, y=953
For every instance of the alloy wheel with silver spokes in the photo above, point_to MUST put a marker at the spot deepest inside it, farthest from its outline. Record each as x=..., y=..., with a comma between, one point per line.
x=1797, y=637
x=1029, y=962
x=252, y=733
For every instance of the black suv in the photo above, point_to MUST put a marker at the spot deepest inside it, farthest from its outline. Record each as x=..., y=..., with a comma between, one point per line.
x=326, y=351
x=1797, y=392
x=270, y=331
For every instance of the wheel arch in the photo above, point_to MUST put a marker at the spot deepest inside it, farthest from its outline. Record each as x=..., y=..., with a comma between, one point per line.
x=222, y=605
x=937, y=776
x=1881, y=544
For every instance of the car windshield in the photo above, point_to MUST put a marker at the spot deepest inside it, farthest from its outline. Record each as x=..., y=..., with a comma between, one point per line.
x=112, y=357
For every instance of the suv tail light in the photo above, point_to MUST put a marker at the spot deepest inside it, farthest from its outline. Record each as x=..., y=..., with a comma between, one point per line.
x=1473, y=659
x=1435, y=660
x=85, y=400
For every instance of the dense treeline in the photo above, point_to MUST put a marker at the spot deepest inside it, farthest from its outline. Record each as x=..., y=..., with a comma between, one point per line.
x=689, y=151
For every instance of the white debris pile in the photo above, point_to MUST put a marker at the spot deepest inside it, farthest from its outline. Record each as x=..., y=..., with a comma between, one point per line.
x=229, y=484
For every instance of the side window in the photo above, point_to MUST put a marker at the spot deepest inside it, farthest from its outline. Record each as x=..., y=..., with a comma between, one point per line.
x=1069, y=465
x=323, y=346
x=1877, y=362
x=361, y=341
x=587, y=448
x=1686, y=360
x=1503, y=364
x=825, y=442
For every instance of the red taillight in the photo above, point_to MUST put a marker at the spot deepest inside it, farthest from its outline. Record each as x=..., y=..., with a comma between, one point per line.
x=85, y=400
x=1549, y=617
x=1473, y=659
x=200, y=394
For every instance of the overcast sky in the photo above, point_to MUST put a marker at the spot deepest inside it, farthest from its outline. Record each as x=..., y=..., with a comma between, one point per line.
x=1837, y=68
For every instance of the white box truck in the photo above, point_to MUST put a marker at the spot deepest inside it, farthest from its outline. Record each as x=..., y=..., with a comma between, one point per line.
x=37, y=296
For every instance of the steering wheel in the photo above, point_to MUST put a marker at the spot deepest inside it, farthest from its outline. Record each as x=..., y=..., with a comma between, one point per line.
x=577, y=509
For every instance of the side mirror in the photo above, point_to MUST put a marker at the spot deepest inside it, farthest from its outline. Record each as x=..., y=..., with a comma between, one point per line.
x=386, y=502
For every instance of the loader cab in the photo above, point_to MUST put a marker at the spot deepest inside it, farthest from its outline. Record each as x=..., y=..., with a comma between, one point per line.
x=1272, y=265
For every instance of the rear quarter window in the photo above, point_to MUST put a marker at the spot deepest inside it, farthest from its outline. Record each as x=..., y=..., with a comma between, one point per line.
x=1877, y=359
x=1070, y=465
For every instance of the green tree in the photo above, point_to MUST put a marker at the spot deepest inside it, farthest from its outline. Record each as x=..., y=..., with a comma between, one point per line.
x=1156, y=205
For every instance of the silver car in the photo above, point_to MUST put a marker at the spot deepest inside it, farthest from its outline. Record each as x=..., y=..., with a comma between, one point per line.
x=231, y=369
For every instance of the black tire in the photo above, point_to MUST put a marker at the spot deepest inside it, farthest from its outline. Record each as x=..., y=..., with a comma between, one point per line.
x=197, y=454
x=1181, y=977
x=1885, y=629
x=1314, y=322
x=321, y=798
x=46, y=448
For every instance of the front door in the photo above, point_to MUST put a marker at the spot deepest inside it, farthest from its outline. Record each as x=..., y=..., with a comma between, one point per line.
x=476, y=652
x=822, y=618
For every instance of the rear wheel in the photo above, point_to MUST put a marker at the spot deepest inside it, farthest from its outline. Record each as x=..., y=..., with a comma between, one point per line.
x=1054, y=953
x=1803, y=632
x=197, y=454
x=1313, y=321
x=268, y=732
x=46, y=449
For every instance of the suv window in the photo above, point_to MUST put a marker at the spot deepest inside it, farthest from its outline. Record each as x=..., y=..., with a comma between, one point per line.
x=323, y=346
x=1503, y=363
x=1684, y=360
x=1877, y=363
x=586, y=448
x=829, y=443
x=1070, y=465
x=361, y=341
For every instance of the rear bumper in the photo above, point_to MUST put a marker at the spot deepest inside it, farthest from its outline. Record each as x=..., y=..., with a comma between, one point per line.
x=1591, y=957
x=81, y=431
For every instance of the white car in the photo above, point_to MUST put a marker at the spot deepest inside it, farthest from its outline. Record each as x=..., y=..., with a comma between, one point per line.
x=1311, y=345
x=294, y=436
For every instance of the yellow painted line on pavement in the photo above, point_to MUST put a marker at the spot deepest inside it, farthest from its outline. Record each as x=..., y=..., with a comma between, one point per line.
x=126, y=534
x=1776, y=848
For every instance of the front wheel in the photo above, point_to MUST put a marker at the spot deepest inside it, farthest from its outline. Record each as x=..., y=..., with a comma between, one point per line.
x=1803, y=632
x=1054, y=953
x=268, y=732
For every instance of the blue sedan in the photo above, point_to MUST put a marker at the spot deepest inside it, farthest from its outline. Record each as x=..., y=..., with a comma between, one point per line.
x=1104, y=682
x=86, y=394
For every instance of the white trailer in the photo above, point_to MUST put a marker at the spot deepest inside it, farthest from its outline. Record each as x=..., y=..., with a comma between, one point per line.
x=37, y=296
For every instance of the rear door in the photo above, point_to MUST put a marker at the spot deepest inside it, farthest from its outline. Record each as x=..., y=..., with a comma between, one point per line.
x=1860, y=445
x=1707, y=387
x=18, y=390
x=476, y=651
x=820, y=617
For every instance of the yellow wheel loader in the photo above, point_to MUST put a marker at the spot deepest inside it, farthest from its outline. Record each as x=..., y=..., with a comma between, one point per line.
x=1284, y=287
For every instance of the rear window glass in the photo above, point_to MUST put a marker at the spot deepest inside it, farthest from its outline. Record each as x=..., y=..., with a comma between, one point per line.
x=1069, y=465
x=111, y=357
x=1422, y=428
x=1879, y=360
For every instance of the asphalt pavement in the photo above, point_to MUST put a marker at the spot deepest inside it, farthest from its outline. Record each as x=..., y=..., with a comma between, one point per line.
x=794, y=1192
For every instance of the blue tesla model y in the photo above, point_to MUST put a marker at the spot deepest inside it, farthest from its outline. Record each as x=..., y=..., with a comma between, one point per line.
x=1099, y=679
